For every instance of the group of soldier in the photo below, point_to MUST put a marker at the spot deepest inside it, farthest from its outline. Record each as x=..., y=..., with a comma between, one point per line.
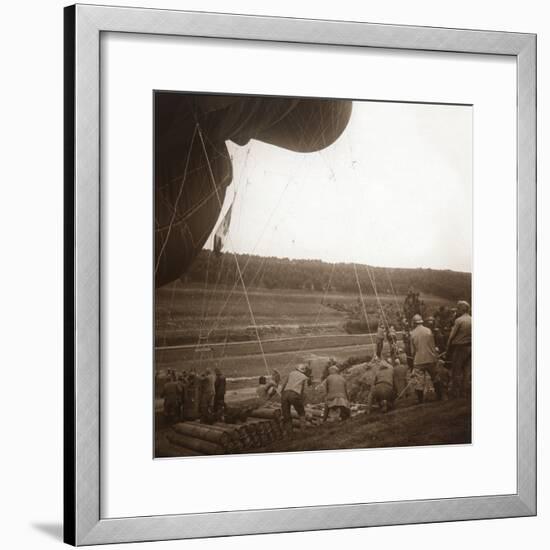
x=442, y=344
x=192, y=395
x=292, y=391
x=436, y=350
x=430, y=354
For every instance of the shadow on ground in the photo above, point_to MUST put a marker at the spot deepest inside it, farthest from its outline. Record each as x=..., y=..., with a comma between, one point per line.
x=53, y=530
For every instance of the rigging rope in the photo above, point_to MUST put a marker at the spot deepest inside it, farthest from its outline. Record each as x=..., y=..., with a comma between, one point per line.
x=399, y=308
x=166, y=330
x=363, y=303
x=203, y=303
x=215, y=288
x=228, y=297
x=222, y=309
x=321, y=305
x=355, y=265
x=198, y=128
x=178, y=197
x=373, y=283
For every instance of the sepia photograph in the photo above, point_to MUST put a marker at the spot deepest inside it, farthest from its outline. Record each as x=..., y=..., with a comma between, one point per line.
x=313, y=274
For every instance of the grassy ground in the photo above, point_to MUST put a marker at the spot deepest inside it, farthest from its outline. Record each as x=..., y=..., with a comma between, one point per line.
x=184, y=311
x=250, y=362
x=297, y=328
x=433, y=423
x=185, y=308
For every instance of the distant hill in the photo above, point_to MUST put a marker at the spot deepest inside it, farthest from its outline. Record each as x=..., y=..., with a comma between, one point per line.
x=284, y=273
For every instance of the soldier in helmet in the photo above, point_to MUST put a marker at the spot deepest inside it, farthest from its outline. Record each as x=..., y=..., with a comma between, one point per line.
x=460, y=344
x=430, y=322
x=423, y=351
x=440, y=342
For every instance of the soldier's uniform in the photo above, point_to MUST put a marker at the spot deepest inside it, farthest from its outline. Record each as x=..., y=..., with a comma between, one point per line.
x=442, y=379
x=172, y=399
x=418, y=383
x=383, y=390
x=460, y=340
x=425, y=355
x=400, y=377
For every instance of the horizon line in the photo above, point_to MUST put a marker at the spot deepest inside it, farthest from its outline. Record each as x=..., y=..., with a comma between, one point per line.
x=328, y=262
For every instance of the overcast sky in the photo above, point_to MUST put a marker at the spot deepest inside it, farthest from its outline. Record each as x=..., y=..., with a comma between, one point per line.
x=394, y=190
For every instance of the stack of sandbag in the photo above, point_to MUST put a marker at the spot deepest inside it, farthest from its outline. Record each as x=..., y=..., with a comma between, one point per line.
x=195, y=438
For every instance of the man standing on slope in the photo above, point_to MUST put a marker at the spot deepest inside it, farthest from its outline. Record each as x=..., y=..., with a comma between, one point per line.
x=460, y=345
x=424, y=352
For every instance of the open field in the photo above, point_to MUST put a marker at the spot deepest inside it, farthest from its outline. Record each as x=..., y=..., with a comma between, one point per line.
x=185, y=311
x=245, y=360
x=293, y=325
x=182, y=312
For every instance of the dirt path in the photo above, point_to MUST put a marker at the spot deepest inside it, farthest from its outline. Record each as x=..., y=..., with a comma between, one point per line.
x=265, y=341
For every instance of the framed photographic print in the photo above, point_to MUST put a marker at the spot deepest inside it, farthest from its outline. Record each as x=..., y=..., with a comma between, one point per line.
x=299, y=263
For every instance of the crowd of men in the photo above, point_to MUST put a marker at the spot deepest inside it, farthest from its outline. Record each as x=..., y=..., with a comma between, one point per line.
x=443, y=339
x=436, y=350
x=428, y=356
x=191, y=395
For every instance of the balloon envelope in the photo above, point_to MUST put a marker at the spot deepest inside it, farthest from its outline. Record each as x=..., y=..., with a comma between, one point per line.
x=192, y=165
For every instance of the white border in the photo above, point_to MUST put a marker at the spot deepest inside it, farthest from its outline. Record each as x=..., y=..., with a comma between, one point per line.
x=133, y=68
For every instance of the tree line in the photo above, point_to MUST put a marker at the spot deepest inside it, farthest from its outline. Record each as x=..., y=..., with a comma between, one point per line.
x=285, y=273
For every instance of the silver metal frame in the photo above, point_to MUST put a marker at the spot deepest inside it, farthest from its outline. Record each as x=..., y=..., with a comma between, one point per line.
x=83, y=25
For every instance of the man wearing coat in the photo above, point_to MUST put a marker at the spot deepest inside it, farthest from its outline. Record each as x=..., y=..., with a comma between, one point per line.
x=172, y=399
x=336, y=390
x=383, y=388
x=292, y=396
x=460, y=345
x=424, y=352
